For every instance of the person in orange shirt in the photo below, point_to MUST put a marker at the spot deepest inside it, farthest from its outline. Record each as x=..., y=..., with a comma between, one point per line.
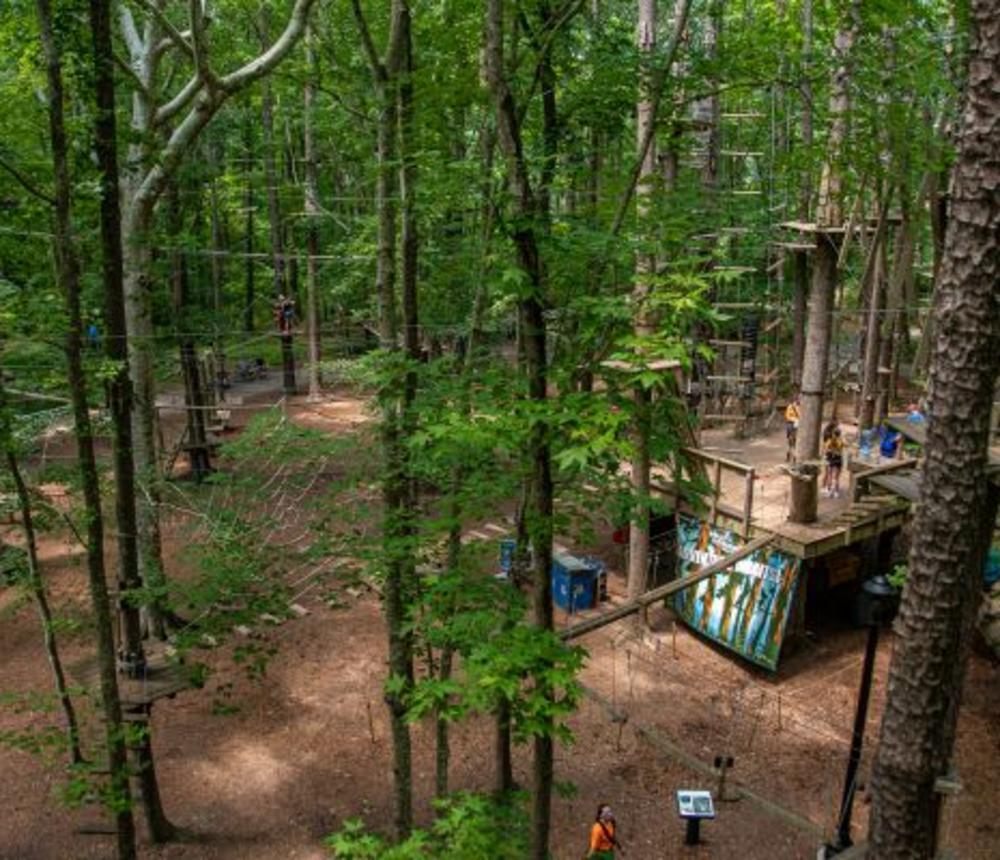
x=602, y=835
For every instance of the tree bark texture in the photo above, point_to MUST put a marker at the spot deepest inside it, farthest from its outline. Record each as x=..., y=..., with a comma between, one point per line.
x=949, y=535
x=69, y=276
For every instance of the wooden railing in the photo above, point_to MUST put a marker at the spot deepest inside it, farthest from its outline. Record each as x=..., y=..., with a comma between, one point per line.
x=715, y=465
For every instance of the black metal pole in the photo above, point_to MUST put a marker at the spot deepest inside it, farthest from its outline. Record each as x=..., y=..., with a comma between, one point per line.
x=842, y=840
x=692, y=835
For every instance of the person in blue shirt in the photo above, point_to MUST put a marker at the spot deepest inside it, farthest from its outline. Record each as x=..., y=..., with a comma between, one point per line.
x=889, y=445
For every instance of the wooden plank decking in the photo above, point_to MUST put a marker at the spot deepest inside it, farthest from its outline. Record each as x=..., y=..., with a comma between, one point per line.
x=163, y=679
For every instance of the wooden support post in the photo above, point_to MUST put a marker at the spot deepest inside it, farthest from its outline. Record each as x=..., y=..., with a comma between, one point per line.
x=748, y=503
x=716, y=489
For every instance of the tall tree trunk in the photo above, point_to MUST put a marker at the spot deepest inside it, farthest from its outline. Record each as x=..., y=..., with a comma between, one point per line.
x=946, y=555
x=873, y=283
x=69, y=276
x=829, y=217
x=218, y=279
x=250, y=297
x=801, y=282
x=532, y=322
x=279, y=281
x=869, y=384
x=132, y=657
x=312, y=211
x=645, y=268
x=396, y=486
x=138, y=322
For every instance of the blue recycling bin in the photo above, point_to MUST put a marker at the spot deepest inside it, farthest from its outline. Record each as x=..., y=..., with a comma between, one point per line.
x=507, y=547
x=574, y=582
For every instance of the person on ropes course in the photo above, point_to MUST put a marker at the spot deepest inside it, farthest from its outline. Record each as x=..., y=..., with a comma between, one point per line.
x=602, y=835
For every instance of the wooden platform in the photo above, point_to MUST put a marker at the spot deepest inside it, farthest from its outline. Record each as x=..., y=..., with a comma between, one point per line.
x=749, y=495
x=903, y=484
x=859, y=521
x=164, y=678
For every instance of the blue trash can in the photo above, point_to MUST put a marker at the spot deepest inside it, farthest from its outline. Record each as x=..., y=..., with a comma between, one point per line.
x=574, y=582
x=507, y=547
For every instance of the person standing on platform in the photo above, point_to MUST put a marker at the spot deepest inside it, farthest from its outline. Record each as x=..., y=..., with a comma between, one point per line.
x=833, y=449
x=792, y=415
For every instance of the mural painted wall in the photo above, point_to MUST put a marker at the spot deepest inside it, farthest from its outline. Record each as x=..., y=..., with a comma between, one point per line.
x=745, y=607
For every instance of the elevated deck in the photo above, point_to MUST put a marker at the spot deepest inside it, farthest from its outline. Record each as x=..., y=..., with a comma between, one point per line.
x=163, y=678
x=750, y=488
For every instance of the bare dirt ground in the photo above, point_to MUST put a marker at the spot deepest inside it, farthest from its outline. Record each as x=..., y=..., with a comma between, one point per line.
x=262, y=769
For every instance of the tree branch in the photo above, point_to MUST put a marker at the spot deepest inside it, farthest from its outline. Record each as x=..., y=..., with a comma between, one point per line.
x=136, y=46
x=175, y=35
x=200, y=52
x=126, y=67
x=378, y=69
x=209, y=100
x=26, y=183
x=257, y=68
x=542, y=48
x=180, y=101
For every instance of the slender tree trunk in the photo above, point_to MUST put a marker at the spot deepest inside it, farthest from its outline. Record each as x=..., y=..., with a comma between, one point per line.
x=869, y=385
x=218, y=281
x=946, y=555
x=396, y=487
x=442, y=747
x=280, y=285
x=873, y=282
x=504, y=766
x=69, y=276
x=197, y=443
x=819, y=321
x=532, y=322
x=800, y=292
x=132, y=657
x=250, y=292
x=801, y=282
x=645, y=267
x=37, y=588
x=312, y=211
